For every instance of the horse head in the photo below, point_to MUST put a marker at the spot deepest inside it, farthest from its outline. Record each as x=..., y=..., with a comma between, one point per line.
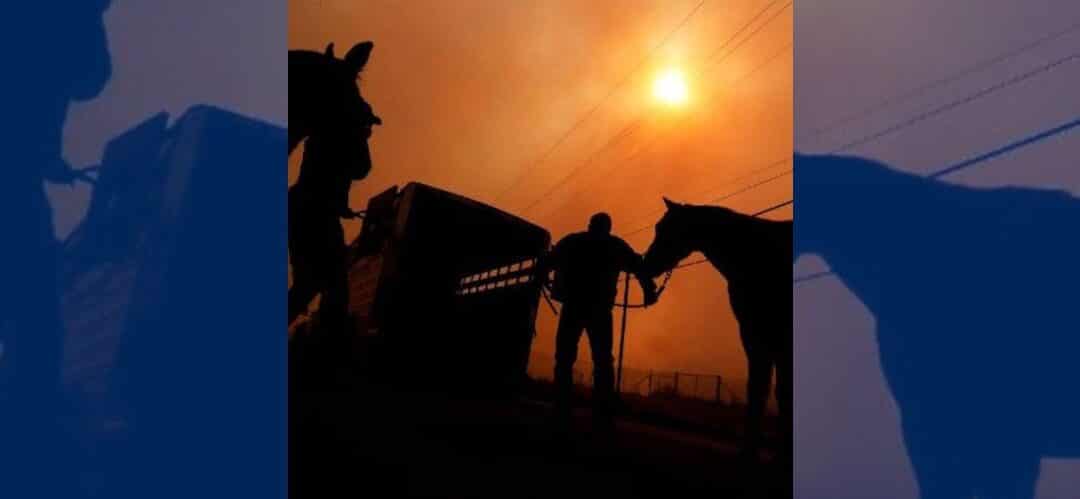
x=69, y=61
x=70, y=58
x=83, y=44
x=329, y=109
x=829, y=189
x=674, y=239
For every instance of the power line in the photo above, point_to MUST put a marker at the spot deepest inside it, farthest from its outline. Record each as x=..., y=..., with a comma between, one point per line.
x=957, y=103
x=811, y=277
x=624, y=132
x=1006, y=149
x=774, y=164
x=744, y=40
x=600, y=103
x=733, y=194
x=735, y=35
x=765, y=62
x=573, y=172
x=922, y=89
x=773, y=207
x=752, y=186
x=753, y=172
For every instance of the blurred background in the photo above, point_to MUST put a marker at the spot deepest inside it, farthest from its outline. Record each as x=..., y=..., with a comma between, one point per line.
x=554, y=110
x=919, y=85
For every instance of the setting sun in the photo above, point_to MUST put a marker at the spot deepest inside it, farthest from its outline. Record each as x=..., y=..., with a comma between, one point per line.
x=670, y=87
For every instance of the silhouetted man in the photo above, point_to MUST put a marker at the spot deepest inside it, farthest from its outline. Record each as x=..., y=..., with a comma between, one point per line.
x=587, y=266
x=55, y=52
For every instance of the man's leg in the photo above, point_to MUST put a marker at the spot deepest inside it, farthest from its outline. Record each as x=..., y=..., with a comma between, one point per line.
x=566, y=344
x=600, y=342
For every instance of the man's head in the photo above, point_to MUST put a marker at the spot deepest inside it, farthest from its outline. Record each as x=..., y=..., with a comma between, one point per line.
x=600, y=223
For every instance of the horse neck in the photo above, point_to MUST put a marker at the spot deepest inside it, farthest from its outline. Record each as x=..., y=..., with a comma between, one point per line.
x=727, y=240
x=296, y=136
x=301, y=65
x=850, y=218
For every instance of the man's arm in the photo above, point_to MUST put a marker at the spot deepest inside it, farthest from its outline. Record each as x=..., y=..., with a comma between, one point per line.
x=549, y=261
x=635, y=266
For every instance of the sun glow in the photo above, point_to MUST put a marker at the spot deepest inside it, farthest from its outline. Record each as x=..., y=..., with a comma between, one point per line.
x=670, y=88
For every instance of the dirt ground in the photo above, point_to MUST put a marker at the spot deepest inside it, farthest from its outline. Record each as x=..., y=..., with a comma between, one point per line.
x=366, y=438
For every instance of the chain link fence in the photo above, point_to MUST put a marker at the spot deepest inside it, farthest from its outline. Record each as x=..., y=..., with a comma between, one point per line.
x=666, y=384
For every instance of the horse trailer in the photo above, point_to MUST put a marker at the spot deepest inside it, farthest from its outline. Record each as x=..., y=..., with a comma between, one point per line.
x=164, y=300
x=444, y=286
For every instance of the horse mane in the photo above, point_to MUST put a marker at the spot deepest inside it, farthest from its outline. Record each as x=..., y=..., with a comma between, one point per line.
x=854, y=172
x=730, y=215
x=308, y=70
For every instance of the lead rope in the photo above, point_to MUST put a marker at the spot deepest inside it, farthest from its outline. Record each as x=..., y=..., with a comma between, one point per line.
x=545, y=291
x=659, y=291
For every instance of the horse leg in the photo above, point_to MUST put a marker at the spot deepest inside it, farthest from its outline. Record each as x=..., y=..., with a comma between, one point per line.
x=941, y=459
x=1006, y=466
x=784, y=400
x=757, y=394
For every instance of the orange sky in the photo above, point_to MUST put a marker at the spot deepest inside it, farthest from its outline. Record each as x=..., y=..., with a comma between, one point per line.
x=473, y=93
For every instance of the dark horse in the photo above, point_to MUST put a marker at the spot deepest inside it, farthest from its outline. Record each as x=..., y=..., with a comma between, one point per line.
x=328, y=114
x=974, y=295
x=327, y=111
x=324, y=100
x=69, y=62
x=754, y=256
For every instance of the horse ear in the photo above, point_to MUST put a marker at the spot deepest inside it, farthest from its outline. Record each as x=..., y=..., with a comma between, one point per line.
x=329, y=50
x=358, y=56
x=671, y=205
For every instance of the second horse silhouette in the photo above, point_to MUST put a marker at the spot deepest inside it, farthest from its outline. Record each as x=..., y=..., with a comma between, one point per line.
x=754, y=255
x=327, y=110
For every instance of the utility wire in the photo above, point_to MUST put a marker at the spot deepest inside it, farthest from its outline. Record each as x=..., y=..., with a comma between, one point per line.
x=765, y=62
x=573, y=172
x=573, y=128
x=744, y=40
x=957, y=103
x=922, y=89
x=753, y=172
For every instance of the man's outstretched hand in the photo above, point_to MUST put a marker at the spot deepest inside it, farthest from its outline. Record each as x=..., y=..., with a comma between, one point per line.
x=60, y=172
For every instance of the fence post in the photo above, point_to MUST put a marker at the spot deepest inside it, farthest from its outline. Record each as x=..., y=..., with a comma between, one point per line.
x=649, y=393
x=718, y=393
x=676, y=383
x=622, y=336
